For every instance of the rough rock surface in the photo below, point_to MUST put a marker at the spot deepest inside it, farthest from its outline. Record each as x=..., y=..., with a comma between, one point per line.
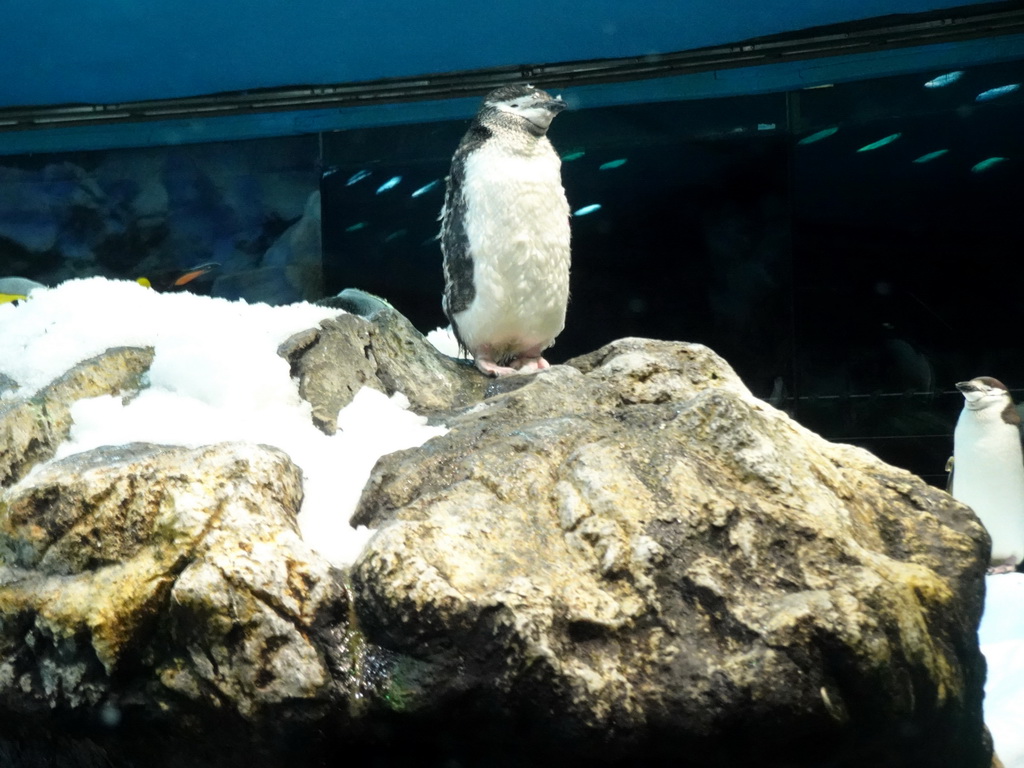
x=635, y=542
x=383, y=351
x=627, y=559
x=31, y=428
x=152, y=583
x=195, y=534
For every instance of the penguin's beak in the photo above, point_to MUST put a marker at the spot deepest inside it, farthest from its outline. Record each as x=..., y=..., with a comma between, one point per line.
x=555, y=105
x=973, y=393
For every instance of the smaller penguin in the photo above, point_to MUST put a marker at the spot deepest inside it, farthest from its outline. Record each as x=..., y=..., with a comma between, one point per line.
x=505, y=234
x=987, y=472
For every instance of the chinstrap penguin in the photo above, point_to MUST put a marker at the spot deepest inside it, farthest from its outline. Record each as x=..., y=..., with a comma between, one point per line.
x=505, y=234
x=988, y=466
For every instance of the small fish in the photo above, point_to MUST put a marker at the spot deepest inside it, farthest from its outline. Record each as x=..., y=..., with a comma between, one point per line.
x=395, y=235
x=169, y=280
x=931, y=156
x=612, y=164
x=943, y=80
x=587, y=209
x=984, y=165
x=356, y=177
x=356, y=227
x=570, y=156
x=824, y=133
x=193, y=273
x=995, y=93
x=880, y=143
x=391, y=183
x=425, y=188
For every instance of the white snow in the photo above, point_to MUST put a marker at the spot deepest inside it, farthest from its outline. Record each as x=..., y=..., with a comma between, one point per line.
x=1001, y=636
x=444, y=341
x=216, y=376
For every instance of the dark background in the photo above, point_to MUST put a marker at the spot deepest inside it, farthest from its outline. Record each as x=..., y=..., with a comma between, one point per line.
x=852, y=289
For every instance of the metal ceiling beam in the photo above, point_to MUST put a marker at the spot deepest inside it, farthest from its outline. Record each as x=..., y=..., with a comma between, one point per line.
x=863, y=37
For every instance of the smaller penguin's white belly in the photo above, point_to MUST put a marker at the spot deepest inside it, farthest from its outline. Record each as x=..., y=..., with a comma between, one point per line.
x=988, y=476
x=517, y=224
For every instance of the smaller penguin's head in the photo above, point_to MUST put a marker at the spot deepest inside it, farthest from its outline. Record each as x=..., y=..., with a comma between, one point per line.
x=536, y=107
x=984, y=392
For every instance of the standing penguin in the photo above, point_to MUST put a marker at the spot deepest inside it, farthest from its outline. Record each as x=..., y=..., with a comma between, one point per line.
x=505, y=234
x=988, y=466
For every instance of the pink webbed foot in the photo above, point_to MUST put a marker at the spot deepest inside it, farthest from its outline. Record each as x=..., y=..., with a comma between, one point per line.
x=484, y=360
x=1008, y=566
x=530, y=364
x=491, y=368
x=530, y=360
x=527, y=361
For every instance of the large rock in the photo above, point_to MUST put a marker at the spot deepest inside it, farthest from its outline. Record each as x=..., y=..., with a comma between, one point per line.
x=167, y=590
x=627, y=559
x=633, y=542
x=105, y=551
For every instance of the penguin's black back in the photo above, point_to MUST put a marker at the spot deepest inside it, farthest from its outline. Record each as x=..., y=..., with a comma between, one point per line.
x=459, y=290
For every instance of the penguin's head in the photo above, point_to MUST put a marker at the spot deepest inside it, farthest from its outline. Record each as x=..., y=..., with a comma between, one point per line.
x=536, y=108
x=984, y=392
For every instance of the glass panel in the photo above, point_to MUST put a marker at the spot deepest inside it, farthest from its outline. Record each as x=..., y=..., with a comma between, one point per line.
x=906, y=237
x=851, y=250
x=159, y=213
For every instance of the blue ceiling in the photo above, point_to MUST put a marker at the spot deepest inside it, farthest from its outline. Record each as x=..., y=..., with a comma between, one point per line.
x=63, y=51
x=56, y=52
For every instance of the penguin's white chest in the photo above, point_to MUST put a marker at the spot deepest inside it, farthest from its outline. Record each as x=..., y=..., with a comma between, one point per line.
x=988, y=476
x=517, y=226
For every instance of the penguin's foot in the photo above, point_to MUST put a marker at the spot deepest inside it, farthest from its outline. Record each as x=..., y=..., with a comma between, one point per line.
x=491, y=368
x=525, y=364
x=1008, y=566
x=484, y=359
x=528, y=361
